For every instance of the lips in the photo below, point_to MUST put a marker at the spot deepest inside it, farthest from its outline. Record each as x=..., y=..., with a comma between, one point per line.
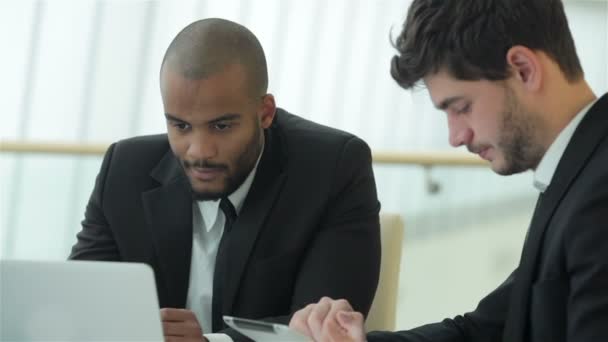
x=484, y=154
x=205, y=174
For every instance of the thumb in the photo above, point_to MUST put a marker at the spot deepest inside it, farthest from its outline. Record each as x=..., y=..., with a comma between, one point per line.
x=352, y=322
x=349, y=319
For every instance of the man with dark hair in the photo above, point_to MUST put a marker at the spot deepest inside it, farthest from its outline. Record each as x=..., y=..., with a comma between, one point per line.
x=508, y=77
x=240, y=207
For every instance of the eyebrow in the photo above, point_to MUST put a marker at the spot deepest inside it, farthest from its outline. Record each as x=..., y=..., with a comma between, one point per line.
x=223, y=117
x=173, y=118
x=443, y=105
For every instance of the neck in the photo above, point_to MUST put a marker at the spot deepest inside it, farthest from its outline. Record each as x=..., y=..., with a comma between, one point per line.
x=563, y=102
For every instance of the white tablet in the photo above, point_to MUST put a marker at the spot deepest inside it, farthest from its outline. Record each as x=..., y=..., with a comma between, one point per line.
x=260, y=331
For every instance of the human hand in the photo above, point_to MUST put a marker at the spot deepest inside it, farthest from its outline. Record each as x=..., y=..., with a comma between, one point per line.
x=329, y=320
x=180, y=325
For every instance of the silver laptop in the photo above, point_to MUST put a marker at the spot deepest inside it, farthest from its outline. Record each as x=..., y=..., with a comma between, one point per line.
x=78, y=301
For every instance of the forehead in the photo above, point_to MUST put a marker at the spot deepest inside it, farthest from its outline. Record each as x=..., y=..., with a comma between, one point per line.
x=225, y=87
x=442, y=87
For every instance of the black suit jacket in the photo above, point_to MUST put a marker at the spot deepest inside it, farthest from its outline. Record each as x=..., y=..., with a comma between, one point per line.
x=308, y=228
x=559, y=292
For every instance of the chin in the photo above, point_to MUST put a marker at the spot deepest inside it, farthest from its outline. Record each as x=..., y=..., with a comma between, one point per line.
x=208, y=192
x=502, y=172
x=207, y=195
x=499, y=167
x=505, y=170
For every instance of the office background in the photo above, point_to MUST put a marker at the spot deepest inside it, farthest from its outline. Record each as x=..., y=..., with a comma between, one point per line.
x=87, y=72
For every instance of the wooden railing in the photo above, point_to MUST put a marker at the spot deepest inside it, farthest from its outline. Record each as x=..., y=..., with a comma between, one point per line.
x=426, y=159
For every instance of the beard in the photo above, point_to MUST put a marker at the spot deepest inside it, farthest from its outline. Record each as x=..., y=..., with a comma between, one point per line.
x=519, y=139
x=242, y=166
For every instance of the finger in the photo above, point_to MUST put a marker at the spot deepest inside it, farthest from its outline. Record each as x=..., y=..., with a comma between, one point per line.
x=341, y=305
x=317, y=317
x=172, y=314
x=349, y=319
x=337, y=306
x=352, y=322
x=174, y=339
x=183, y=339
x=299, y=320
x=332, y=331
x=185, y=329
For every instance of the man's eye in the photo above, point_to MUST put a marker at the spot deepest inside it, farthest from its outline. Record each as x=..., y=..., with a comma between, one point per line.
x=464, y=109
x=181, y=126
x=221, y=126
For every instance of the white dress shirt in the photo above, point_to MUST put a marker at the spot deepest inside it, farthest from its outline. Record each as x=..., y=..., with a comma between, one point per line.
x=207, y=229
x=548, y=164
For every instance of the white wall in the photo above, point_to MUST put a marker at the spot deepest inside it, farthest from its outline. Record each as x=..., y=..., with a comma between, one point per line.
x=86, y=71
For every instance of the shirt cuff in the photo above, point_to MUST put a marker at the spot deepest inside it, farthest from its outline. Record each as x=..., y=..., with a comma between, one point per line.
x=218, y=337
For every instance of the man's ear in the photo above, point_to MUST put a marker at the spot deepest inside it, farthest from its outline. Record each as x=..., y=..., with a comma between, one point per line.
x=267, y=111
x=525, y=67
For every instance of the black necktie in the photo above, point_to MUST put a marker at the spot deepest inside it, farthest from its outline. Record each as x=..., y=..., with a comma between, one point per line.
x=219, y=274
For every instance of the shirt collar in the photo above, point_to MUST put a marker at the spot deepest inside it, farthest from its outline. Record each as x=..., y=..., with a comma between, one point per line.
x=210, y=209
x=548, y=164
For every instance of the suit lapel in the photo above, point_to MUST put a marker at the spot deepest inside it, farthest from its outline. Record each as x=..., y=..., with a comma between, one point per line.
x=592, y=129
x=257, y=206
x=168, y=211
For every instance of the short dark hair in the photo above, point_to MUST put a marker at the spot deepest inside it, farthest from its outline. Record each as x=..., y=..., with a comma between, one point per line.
x=207, y=47
x=470, y=38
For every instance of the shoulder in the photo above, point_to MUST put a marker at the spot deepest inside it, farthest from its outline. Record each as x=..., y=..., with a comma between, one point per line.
x=584, y=210
x=145, y=144
x=292, y=124
x=138, y=153
x=302, y=135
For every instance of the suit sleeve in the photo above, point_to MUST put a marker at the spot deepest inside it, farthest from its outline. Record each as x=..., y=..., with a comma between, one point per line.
x=586, y=243
x=343, y=260
x=485, y=324
x=95, y=241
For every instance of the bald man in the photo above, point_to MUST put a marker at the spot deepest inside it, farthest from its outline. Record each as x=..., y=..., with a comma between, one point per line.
x=241, y=206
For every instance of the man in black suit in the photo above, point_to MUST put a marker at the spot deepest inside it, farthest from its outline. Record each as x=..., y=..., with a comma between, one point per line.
x=508, y=77
x=241, y=209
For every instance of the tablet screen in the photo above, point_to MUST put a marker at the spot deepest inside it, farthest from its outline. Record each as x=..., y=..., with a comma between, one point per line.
x=264, y=331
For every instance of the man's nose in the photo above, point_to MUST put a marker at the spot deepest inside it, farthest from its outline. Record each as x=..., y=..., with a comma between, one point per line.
x=460, y=133
x=201, y=147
